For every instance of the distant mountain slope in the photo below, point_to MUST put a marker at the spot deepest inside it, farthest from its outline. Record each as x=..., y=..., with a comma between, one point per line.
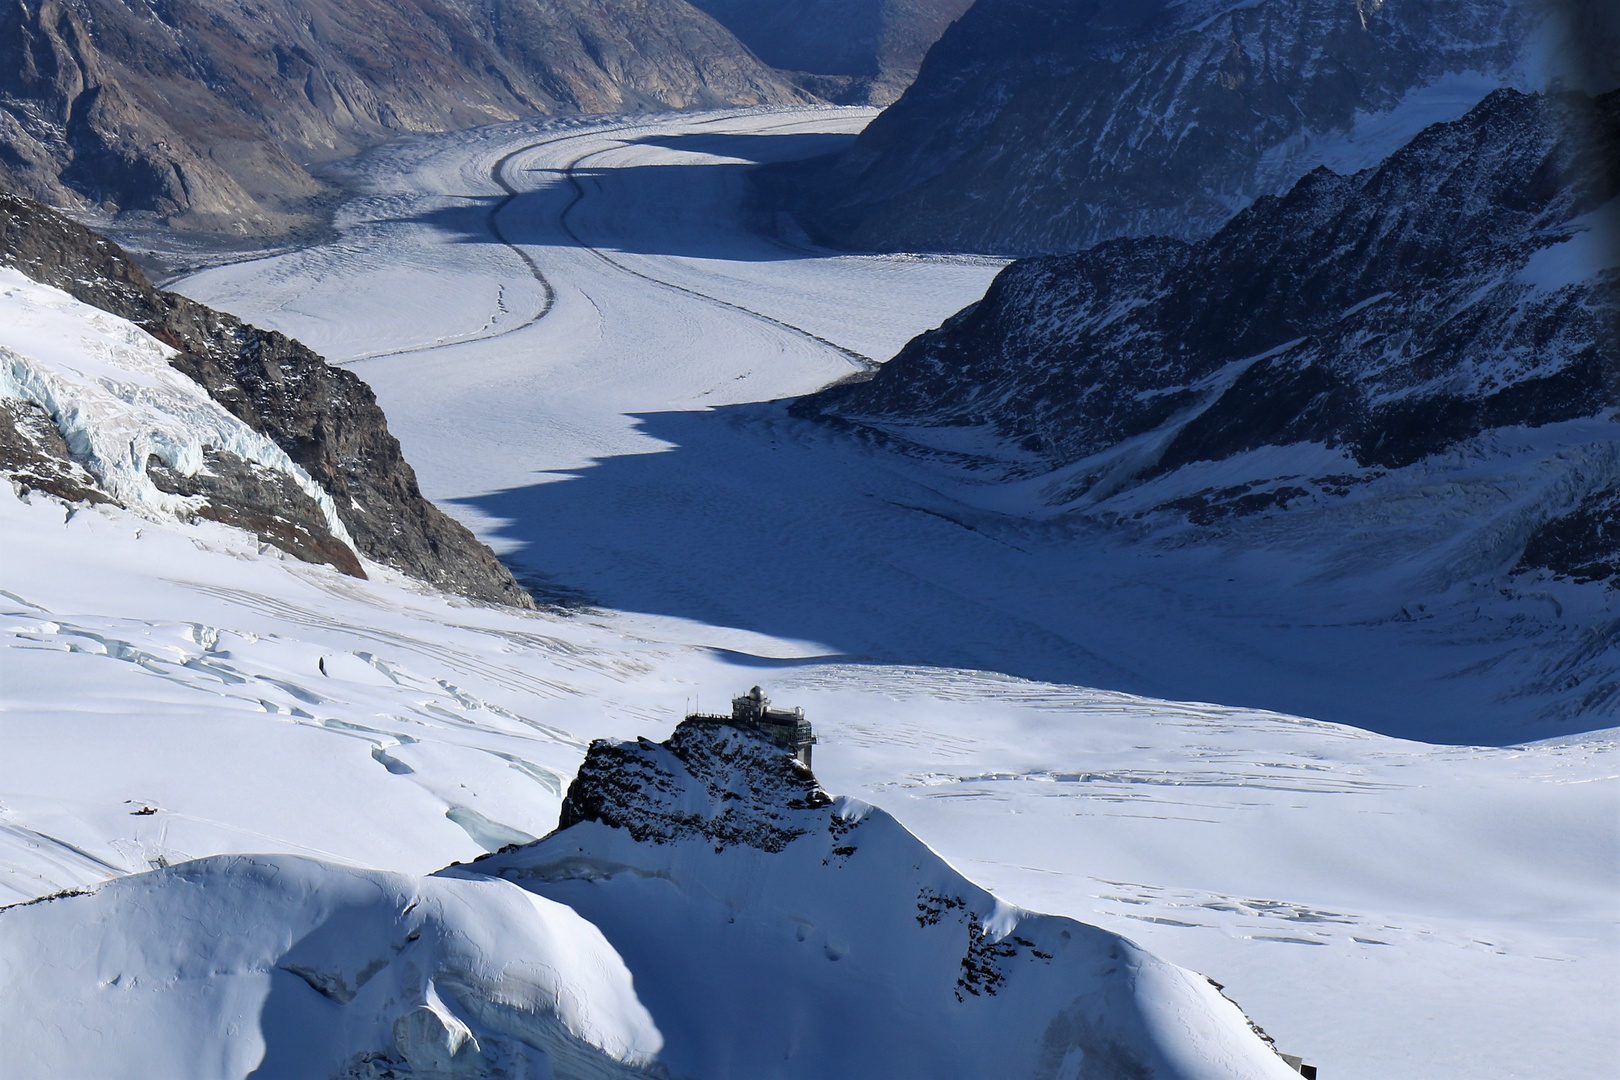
x=1395, y=312
x=324, y=419
x=1421, y=359
x=848, y=51
x=773, y=930
x=1044, y=126
x=205, y=113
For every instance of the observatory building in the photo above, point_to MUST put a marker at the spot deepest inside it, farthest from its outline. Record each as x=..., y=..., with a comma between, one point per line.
x=785, y=727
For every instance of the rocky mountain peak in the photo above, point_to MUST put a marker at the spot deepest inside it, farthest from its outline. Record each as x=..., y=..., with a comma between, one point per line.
x=710, y=781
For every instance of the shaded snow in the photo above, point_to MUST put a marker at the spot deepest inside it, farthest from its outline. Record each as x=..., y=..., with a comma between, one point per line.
x=279, y=966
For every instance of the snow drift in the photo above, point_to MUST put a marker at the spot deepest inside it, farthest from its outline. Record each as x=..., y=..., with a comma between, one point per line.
x=280, y=966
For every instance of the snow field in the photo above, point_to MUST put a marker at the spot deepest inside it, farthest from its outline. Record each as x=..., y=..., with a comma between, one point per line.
x=1387, y=908
x=205, y=970
x=1379, y=905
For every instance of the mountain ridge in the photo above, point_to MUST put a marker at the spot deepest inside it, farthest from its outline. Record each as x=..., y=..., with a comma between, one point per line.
x=204, y=116
x=1041, y=127
x=324, y=418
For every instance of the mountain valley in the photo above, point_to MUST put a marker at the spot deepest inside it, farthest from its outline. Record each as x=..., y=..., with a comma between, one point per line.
x=418, y=422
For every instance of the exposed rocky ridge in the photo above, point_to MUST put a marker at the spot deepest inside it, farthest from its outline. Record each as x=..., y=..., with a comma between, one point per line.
x=1392, y=314
x=324, y=418
x=807, y=936
x=203, y=114
x=1044, y=126
x=853, y=52
x=35, y=457
x=235, y=492
x=1582, y=545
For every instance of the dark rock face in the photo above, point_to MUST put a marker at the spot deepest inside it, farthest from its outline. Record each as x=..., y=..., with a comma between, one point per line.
x=854, y=52
x=753, y=792
x=1583, y=545
x=1394, y=313
x=202, y=113
x=35, y=457
x=324, y=418
x=261, y=501
x=1045, y=126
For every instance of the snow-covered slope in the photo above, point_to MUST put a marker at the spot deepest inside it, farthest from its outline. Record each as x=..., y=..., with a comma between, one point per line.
x=1401, y=379
x=775, y=931
x=1045, y=126
x=288, y=967
x=128, y=417
x=1384, y=908
x=323, y=418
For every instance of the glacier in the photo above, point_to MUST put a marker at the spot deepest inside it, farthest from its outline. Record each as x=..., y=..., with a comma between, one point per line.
x=1385, y=905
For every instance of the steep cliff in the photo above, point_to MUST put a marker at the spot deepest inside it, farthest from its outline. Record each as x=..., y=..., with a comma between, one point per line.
x=204, y=115
x=1044, y=126
x=325, y=419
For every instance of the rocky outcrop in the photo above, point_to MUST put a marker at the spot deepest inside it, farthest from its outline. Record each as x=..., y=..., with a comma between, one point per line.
x=204, y=114
x=774, y=930
x=853, y=52
x=1045, y=126
x=236, y=492
x=1466, y=285
x=324, y=418
x=751, y=791
x=1582, y=545
x=35, y=457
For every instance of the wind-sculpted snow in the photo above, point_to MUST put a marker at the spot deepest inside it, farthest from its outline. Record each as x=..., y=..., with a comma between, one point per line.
x=1045, y=126
x=774, y=930
x=278, y=966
